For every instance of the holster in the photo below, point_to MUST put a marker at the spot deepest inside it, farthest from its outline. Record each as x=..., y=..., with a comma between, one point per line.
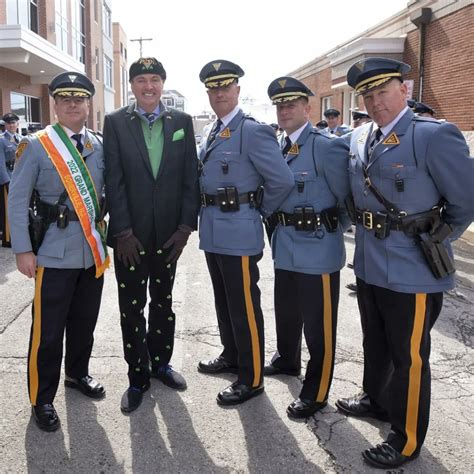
x=228, y=199
x=37, y=228
x=330, y=219
x=351, y=209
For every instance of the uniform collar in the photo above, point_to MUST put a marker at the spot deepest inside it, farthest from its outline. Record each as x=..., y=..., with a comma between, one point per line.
x=296, y=134
x=70, y=133
x=228, y=118
x=388, y=128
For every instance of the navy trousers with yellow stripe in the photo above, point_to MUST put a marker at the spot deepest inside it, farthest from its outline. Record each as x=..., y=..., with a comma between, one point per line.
x=66, y=300
x=307, y=303
x=239, y=315
x=4, y=226
x=396, y=329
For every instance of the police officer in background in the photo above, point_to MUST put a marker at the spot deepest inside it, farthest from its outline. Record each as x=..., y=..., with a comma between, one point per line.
x=423, y=110
x=308, y=247
x=359, y=117
x=8, y=144
x=64, y=165
x=409, y=177
x=333, y=119
x=239, y=156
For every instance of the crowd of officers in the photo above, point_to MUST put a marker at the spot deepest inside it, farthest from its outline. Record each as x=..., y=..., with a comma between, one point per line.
x=400, y=177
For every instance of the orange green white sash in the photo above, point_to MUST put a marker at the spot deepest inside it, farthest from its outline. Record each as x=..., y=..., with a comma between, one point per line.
x=80, y=188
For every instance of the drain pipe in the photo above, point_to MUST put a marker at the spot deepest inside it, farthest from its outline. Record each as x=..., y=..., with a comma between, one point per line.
x=420, y=18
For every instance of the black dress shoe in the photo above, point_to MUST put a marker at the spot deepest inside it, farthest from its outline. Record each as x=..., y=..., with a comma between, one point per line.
x=238, y=393
x=386, y=457
x=87, y=385
x=132, y=398
x=302, y=408
x=216, y=366
x=360, y=406
x=270, y=369
x=46, y=417
x=352, y=286
x=169, y=377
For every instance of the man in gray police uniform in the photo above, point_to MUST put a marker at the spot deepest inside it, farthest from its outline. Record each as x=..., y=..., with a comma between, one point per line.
x=8, y=143
x=308, y=247
x=334, y=127
x=68, y=290
x=409, y=177
x=239, y=156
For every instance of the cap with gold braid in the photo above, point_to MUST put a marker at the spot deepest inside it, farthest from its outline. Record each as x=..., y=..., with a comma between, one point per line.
x=369, y=73
x=220, y=73
x=286, y=89
x=71, y=84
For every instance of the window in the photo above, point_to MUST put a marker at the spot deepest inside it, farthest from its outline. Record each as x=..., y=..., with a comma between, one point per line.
x=78, y=30
x=97, y=64
x=325, y=104
x=98, y=124
x=108, y=71
x=61, y=24
x=21, y=12
x=107, y=21
x=26, y=107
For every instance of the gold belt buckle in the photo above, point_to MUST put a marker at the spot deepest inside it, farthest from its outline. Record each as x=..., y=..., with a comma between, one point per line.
x=367, y=220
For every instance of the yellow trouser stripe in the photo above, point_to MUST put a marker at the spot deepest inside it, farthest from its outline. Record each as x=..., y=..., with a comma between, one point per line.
x=6, y=237
x=35, y=338
x=414, y=379
x=327, y=324
x=252, y=322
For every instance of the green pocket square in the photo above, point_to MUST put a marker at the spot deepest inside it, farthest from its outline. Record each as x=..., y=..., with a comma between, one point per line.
x=178, y=135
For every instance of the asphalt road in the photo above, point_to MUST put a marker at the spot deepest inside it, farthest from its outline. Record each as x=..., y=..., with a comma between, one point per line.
x=188, y=431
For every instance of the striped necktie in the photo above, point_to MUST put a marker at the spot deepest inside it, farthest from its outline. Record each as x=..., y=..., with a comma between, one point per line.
x=215, y=130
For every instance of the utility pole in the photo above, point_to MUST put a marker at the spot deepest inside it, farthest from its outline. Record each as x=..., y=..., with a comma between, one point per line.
x=141, y=40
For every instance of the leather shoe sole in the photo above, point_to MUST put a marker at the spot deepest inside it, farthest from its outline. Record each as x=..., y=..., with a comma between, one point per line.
x=237, y=393
x=217, y=366
x=269, y=370
x=93, y=392
x=51, y=425
x=132, y=399
x=304, y=408
x=385, y=457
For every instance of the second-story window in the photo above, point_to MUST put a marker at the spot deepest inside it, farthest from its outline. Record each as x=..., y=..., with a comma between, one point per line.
x=21, y=12
x=61, y=24
x=108, y=71
x=107, y=21
x=78, y=30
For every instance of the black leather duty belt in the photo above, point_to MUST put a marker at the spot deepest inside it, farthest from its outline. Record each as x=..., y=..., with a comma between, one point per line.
x=371, y=220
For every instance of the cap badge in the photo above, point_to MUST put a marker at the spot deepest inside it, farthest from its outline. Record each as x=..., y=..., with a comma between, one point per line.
x=216, y=66
x=147, y=63
x=72, y=77
x=282, y=83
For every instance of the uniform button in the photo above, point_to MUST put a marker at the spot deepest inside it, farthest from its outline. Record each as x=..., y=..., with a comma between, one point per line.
x=366, y=192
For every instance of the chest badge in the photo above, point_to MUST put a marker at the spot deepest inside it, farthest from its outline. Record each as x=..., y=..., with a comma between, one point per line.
x=363, y=137
x=88, y=146
x=225, y=133
x=294, y=150
x=392, y=139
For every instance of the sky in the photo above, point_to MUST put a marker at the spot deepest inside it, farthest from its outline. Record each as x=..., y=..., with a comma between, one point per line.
x=266, y=38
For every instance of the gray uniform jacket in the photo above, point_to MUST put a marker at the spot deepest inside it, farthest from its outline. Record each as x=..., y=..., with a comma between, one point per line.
x=61, y=248
x=247, y=158
x=321, y=181
x=430, y=161
x=7, y=155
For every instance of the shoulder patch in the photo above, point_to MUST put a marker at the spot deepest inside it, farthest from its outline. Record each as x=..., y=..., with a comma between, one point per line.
x=20, y=149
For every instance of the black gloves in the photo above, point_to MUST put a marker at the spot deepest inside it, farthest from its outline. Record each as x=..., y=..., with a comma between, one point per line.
x=177, y=242
x=128, y=248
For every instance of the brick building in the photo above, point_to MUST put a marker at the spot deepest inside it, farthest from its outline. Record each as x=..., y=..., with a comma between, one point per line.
x=41, y=38
x=442, y=68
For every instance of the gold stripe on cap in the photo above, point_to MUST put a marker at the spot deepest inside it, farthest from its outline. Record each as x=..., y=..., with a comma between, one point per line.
x=285, y=94
x=383, y=77
x=221, y=83
x=71, y=89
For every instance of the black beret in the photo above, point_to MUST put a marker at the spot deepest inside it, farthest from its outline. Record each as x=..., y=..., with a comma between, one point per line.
x=220, y=73
x=373, y=72
x=285, y=89
x=71, y=84
x=147, y=66
x=10, y=117
x=332, y=113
